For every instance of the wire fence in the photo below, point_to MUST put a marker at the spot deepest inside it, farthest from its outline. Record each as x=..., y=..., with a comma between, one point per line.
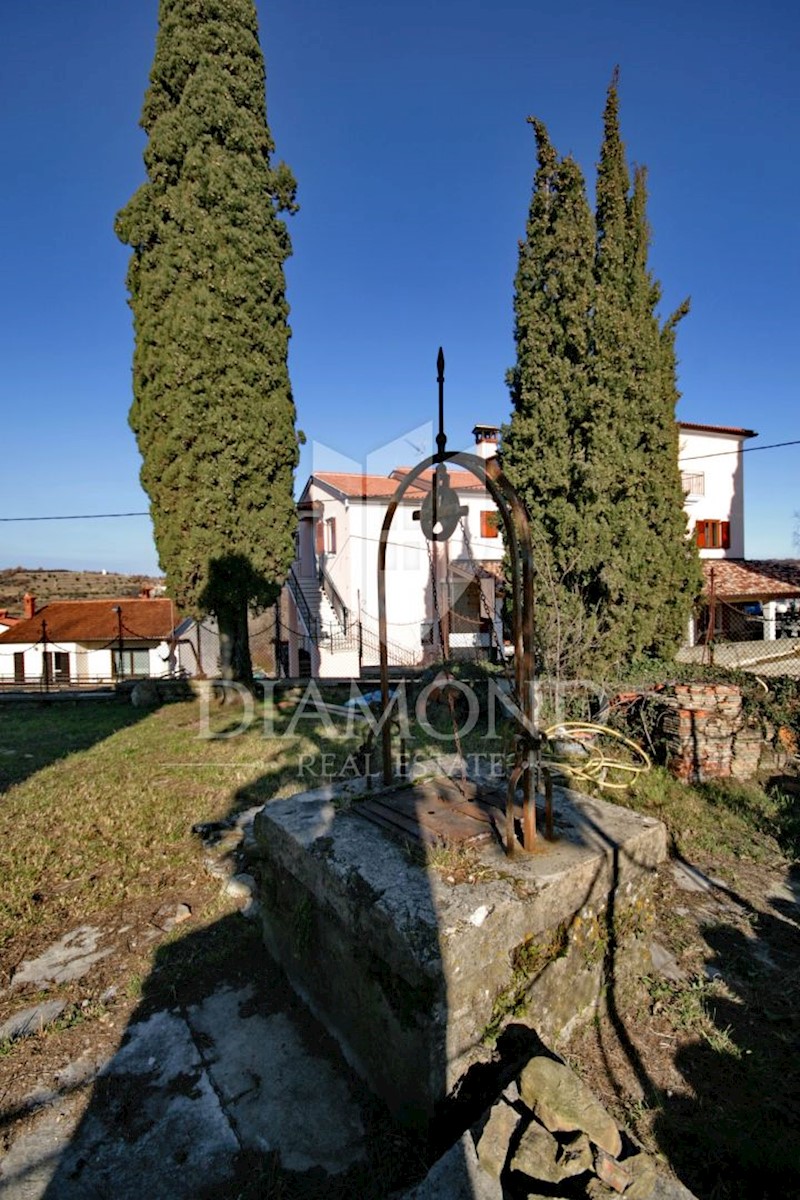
x=767, y=659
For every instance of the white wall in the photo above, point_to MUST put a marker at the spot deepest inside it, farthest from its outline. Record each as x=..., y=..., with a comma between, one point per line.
x=85, y=663
x=353, y=568
x=709, y=455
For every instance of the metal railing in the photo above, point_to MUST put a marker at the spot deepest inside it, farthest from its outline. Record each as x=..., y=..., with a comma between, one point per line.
x=335, y=600
x=301, y=604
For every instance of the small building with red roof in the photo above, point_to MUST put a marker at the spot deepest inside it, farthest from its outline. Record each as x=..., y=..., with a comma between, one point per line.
x=80, y=642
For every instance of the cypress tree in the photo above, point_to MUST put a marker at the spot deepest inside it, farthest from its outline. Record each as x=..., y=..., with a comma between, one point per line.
x=212, y=411
x=544, y=444
x=593, y=443
x=647, y=571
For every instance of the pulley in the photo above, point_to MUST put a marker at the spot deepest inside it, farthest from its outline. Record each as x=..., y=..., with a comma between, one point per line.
x=441, y=511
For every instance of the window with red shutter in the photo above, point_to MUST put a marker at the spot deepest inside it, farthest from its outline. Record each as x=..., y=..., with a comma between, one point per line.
x=319, y=536
x=713, y=535
x=489, y=524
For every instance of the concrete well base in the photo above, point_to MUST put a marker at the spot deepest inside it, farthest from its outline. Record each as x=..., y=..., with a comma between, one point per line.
x=416, y=975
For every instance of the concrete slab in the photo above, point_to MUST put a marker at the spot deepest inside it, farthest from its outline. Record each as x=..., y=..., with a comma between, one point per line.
x=410, y=972
x=184, y=1094
x=273, y=1091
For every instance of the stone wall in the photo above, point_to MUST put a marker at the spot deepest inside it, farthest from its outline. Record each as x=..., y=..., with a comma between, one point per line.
x=706, y=735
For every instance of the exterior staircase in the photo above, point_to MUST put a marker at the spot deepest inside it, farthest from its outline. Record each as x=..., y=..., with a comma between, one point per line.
x=336, y=645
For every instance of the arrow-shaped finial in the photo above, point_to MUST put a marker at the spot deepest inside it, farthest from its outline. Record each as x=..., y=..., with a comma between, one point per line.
x=441, y=437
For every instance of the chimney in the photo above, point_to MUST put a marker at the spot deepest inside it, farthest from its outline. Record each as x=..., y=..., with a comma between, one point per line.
x=487, y=438
x=146, y=593
x=28, y=606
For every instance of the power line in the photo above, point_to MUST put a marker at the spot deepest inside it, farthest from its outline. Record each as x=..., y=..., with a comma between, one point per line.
x=741, y=450
x=79, y=517
x=108, y=516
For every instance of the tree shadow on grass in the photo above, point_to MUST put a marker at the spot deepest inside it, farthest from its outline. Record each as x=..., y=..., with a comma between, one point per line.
x=737, y=1138
x=725, y=1109
x=224, y=1085
x=36, y=734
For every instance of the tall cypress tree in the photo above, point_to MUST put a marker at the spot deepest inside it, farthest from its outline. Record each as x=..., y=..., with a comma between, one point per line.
x=544, y=445
x=647, y=571
x=593, y=443
x=213, y=412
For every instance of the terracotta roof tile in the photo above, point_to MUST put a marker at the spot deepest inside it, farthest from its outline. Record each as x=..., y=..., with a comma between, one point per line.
x=95, y=621
x=757, y=579
x=383, y=487
x=361, y=487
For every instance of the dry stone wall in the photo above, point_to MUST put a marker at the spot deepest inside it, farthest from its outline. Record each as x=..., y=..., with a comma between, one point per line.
x=706, y=735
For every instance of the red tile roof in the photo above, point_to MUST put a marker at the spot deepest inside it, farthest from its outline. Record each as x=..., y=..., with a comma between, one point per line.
x=362, y=487
x=383, y=487
x=728, y=429
x=462, y=481
x=753, y=579
x=95, y=621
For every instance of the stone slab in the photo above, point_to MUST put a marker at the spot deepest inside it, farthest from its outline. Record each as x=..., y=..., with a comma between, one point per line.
x=457, y=1176
x=172, y=1109
x=72, y=957
x=31, y=1020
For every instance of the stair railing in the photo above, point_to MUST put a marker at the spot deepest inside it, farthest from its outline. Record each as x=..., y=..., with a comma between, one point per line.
x=336, y=602
x=302, y=605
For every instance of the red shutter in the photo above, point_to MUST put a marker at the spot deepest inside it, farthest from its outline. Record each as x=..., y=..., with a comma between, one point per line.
x=489, y=527
x=725, y=535
x=700, y=530
x=319, y=536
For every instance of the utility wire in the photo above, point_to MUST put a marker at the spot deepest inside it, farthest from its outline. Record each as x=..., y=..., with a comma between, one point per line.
x=79, y=517
x=741, y=450
x=104, y=516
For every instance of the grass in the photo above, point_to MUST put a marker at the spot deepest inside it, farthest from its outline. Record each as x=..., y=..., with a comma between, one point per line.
x=99, y=799
x=723, y=817
x=98, y=802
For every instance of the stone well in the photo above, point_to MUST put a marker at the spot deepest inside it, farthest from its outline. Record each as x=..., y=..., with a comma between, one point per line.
x=416, y=974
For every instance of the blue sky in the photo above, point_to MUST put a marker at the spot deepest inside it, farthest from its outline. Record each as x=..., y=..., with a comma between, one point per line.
x=405, y=127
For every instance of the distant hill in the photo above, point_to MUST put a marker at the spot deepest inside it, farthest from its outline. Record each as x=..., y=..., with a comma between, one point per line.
x=67, y=585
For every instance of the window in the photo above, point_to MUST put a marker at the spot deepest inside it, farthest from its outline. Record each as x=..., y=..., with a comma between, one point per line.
x=490, y=524
x=319, y=536
x=19, y=666
x=330, y=535
x=130, y=664
x=61, y=667
x=693, y=483
x=713, y=535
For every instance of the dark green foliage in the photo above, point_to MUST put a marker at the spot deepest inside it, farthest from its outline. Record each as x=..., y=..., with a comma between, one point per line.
x=213, y=412
x=544, y=449
x=593, y=443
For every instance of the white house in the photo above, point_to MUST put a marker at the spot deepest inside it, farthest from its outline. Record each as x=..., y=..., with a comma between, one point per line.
x=333, y=586
x=712, y=471
x=754, y=599
x=84, y=641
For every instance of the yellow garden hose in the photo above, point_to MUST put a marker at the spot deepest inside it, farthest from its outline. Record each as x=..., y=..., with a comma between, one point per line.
x=597, y=764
